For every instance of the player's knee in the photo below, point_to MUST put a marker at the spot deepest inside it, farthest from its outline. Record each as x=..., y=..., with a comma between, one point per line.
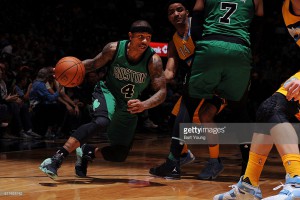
x=267, y=112
x=101, y=122
x=115, y=153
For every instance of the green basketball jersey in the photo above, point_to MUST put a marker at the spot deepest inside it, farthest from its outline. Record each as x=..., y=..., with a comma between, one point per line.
x=127, y=80
x=229, y=17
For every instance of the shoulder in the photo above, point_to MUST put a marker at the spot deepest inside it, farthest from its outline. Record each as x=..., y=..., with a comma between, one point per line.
x=155, y=63
x=155, y=57
x=110, y=49
x=111, y=46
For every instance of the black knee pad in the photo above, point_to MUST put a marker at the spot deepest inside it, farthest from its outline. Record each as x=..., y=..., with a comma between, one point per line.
x=85, y=131
x=115, y=153
x=274, y=110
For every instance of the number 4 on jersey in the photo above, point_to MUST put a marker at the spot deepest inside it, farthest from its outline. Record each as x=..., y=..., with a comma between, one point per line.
x=128, y=90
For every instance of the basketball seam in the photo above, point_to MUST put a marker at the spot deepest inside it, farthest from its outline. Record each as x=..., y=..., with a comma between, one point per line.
x=67, y=68
x=74, y=75
x=75, y=62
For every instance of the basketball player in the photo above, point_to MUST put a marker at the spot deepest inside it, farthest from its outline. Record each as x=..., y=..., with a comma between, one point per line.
x=180, y=54
x=132, y=66
x=222, y=64
x=278, y=111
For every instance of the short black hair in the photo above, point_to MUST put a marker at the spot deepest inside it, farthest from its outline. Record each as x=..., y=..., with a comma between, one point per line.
x=188, y=4
x=141, y=26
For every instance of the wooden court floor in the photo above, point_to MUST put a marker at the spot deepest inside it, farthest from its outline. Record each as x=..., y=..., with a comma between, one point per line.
x=20, y=177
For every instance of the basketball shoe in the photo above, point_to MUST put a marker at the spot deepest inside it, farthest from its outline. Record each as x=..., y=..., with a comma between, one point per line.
x=50, y=165
x=212, y=169
x=168, y=170
x=84, y=154
x=290, y=191
x=241, y=191
x=188, y=158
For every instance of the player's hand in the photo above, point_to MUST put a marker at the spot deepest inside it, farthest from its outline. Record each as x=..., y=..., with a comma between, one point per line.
x=135, y=106
x=293, y=89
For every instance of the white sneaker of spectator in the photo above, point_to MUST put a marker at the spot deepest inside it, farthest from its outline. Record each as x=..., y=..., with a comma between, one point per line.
x=33, y=134
x=149, y=124
x=24, y=135
x=3, y=124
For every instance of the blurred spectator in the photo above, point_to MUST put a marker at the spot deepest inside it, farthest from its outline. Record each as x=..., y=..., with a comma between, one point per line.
x=19, y=120
x=22, y=88
x=4, y=114
x=46, y=111
x=70, y=109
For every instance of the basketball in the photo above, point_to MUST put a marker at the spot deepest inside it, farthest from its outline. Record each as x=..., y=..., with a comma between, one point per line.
x=69, y=71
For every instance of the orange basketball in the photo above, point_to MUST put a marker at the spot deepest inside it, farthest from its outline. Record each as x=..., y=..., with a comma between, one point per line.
x=69, y=71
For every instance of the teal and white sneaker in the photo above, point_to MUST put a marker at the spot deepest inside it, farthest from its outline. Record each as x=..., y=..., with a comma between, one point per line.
x=81, y=164
x=50, y=165
x=84, y=155
x=212, y=169
x=290, y=191
x=241, y=191
x=189, y=158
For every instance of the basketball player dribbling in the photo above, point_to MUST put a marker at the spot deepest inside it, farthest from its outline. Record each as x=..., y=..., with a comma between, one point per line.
x=133, y=66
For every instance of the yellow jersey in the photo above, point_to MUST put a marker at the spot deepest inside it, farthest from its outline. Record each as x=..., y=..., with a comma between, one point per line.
x=185, y=46
x=283, y=91
x=291, y=21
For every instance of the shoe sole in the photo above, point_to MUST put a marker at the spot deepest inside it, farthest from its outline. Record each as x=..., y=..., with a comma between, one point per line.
x=287, y=198
x=48, y=173
x=76, y=175
x=191, y=157
x=211, y=177
x=185, y=163
x=165, y=177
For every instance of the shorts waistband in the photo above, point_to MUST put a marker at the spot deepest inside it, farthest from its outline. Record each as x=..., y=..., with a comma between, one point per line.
x=226, y=38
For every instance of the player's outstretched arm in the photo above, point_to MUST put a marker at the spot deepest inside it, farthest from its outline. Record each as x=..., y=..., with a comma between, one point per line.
x=172, y=63
x=102, y=58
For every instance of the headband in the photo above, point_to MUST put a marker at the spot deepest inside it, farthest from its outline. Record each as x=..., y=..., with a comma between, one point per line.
x=141, y=29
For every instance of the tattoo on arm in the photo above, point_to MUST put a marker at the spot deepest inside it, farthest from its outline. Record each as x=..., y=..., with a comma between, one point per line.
x=102, y=58
x=158, y=82
x=89, y=65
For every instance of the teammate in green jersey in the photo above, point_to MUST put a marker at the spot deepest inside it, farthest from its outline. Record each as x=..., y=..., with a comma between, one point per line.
x=222, y=63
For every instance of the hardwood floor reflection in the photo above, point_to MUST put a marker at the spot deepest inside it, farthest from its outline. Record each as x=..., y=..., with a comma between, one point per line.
x=20, y=177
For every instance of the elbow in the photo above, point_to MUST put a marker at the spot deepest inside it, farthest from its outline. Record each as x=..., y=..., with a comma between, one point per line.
x=169, y=76
x=169, y=79
x=164, y=95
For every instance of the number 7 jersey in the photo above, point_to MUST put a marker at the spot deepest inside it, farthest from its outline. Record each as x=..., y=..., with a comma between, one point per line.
x=229, y=17
x=127, y=80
